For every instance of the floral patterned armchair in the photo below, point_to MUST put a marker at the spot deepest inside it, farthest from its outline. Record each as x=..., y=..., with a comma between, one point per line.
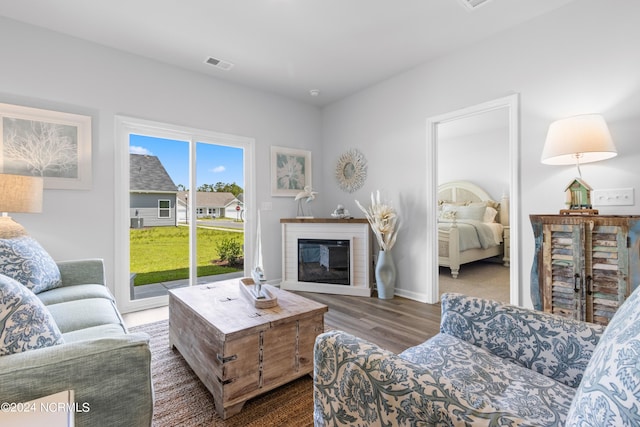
x=491, y=364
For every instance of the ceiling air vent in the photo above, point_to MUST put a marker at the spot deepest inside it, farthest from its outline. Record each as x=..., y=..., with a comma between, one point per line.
x=473, y=4
x=219, y=63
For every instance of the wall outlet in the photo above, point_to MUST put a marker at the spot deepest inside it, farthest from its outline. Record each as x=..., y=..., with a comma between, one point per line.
x=613, y=197
x=266, y=206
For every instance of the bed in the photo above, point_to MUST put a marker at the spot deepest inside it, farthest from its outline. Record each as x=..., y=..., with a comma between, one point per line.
x=470, y=225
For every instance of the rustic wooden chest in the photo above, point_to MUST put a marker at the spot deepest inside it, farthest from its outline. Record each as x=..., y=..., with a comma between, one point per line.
x=238, y=351
x=585, y=266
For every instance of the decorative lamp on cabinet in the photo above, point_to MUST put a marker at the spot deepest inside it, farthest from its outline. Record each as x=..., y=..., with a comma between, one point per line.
x=578, y=140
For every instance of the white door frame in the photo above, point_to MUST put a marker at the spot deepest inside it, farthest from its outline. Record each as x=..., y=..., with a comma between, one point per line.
x=512, y=103
x=126, y=125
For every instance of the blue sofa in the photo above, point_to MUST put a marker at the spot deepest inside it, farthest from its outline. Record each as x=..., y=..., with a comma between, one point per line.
x=491, y=364
x=108, y=368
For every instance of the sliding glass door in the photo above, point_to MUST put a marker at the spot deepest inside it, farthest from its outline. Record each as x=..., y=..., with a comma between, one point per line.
x=184, y=202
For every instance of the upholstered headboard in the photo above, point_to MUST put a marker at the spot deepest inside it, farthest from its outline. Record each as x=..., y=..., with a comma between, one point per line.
x=465, y=191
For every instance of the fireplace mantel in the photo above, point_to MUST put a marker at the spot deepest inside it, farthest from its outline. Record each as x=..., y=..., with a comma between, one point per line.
x=324, y=221
x=355, y=230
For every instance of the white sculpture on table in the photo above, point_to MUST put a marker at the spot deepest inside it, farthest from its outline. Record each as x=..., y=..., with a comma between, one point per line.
x=308, y=195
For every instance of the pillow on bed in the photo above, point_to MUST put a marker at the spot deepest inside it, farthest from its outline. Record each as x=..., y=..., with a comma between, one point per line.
x=492, y=209
x=446, y=206
x=489, y=214
x=493, y=204
x=475, y=213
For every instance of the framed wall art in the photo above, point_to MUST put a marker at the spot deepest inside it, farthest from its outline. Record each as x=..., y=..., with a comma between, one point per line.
x=290, y=171
x=52, y=144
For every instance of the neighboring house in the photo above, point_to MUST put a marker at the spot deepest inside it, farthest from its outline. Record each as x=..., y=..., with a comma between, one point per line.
x=209, y=204
x=152, y=193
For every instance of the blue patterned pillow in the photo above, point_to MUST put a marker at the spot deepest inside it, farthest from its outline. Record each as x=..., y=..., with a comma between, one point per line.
x=23, y=259
x=608, y=394
x=25, y=323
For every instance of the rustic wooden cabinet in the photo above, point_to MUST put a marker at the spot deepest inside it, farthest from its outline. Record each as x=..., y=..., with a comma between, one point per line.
x=585, y=266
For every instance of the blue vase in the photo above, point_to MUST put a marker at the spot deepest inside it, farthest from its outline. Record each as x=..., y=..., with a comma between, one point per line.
x=385, y=275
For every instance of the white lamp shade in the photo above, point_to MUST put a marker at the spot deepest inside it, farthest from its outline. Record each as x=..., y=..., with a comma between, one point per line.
x=584, y=138
x=20, y=193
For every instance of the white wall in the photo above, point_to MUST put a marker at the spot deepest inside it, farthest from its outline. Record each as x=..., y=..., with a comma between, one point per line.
x=482, y=158
x=581, y=58
x=47, y=70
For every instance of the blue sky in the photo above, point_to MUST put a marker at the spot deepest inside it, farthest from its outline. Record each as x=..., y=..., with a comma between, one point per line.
x=215, y=163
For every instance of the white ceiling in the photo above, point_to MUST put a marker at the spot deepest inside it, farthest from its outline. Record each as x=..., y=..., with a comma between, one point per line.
x=283, y=46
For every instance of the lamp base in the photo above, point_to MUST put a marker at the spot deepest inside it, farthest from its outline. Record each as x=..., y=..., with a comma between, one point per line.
x=10, y=229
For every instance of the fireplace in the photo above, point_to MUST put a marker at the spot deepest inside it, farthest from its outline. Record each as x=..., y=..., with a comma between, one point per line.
x=324, y=261
x=326, y=255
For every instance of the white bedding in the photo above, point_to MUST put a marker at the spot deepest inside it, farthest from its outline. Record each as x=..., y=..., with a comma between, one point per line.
x=497, y=230
x=475, y=234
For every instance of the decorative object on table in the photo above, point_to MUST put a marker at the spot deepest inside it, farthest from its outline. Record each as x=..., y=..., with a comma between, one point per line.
x=578, y=195
x=255, y=289
x=351, y=170
x=383, y=220
x=18, y=194
x=290, y=171
x=267, y=298
x=304, y=198
x=578, y=139
x=341, y=213
x=50, y=144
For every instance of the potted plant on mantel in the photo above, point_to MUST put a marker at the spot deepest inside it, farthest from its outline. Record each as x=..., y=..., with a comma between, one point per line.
x=383, y=220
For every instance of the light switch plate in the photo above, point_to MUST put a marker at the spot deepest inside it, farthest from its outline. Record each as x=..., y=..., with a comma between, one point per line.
x=613, y=197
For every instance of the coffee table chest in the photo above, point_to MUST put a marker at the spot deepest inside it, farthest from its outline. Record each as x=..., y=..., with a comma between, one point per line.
x=237, y=350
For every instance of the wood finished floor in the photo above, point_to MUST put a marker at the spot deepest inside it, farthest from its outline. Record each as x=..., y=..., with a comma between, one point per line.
x=395, y=324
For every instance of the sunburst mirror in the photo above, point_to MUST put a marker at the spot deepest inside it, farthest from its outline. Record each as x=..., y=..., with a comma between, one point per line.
x=351, y=170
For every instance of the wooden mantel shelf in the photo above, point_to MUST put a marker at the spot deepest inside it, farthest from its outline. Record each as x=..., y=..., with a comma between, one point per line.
x=323, y=220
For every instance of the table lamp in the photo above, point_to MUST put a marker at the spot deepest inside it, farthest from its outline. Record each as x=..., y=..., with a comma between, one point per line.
x=18, y=194
x=577, y=140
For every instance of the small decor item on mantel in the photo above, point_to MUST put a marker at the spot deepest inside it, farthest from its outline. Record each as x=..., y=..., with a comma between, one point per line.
x=341, y=213
x=304, y=209
x=383, y=220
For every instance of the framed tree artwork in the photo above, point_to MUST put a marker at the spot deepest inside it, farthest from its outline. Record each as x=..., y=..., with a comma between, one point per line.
x=51, y=144
x=290, y=171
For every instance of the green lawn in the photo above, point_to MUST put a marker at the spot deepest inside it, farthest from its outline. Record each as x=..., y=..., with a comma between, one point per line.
x=161, y=254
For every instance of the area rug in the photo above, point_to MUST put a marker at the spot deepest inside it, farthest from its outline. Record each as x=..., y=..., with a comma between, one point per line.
x=182, y=400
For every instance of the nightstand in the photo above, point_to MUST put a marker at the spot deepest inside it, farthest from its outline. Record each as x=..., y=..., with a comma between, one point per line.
x=506, y=238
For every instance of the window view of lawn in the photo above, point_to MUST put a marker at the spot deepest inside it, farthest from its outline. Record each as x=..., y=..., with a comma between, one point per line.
x=161, y=254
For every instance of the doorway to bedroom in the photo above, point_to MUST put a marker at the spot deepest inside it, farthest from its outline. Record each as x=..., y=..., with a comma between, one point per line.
x=477, y=145
x=474, y=151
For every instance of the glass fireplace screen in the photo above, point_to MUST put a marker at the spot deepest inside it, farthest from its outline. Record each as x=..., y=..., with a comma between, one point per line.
x=324, y=261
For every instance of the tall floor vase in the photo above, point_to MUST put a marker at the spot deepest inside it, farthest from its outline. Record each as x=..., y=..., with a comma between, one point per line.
x=385, y=275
